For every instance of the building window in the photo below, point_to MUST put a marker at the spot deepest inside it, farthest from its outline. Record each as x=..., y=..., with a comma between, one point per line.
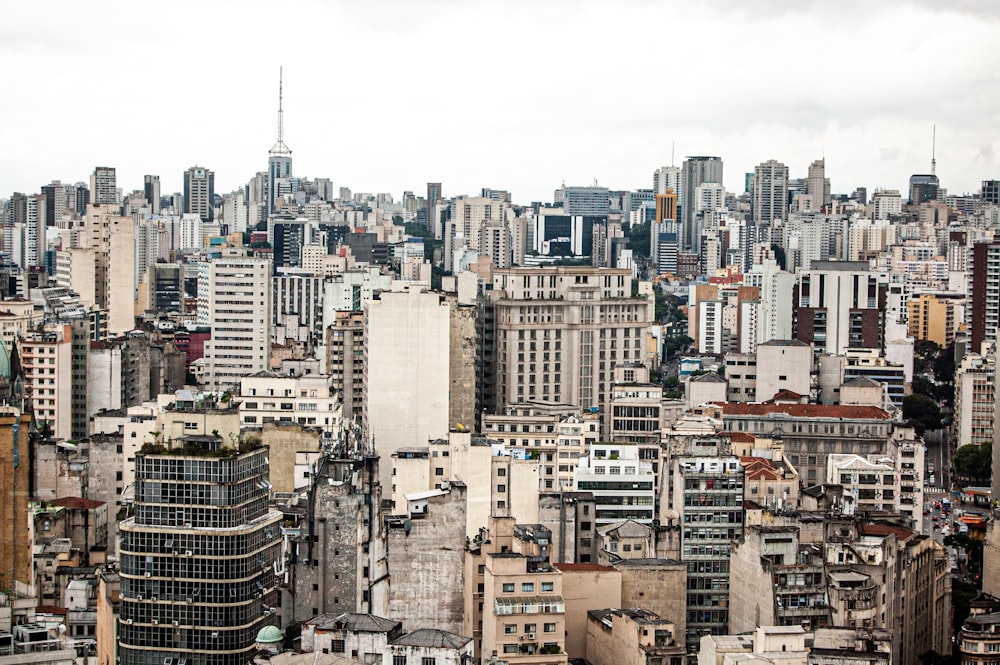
x=337, y=646
x=508, y=587
x=509, y=628
x=510, y=648
x=399, y=660
x=439, y=471
x=527, y=587
x=428, y=661
x=547, y=586
x=549, y=627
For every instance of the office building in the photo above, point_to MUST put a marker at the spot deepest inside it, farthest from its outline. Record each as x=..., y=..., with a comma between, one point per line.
x=770, y=192
x=667, y=177
x=103, y=186
x=200, y=555
x=151, y=188
x=234, y=298
x=923, y=188
x=199, y=192
x=561, y=331
x=695, y=172
x=933, y=318
x=818, y=185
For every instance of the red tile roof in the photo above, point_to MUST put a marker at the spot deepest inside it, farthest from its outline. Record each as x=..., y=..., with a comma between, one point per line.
x=755, y=468
x=77, y=502
x=739, y=437
x=884, y=530
x=785, y=394
x=805, y=410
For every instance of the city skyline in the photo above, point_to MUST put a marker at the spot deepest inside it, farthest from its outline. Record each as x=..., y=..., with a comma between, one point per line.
x=542, y=93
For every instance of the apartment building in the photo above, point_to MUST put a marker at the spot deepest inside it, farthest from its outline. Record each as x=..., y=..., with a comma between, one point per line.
x=623, y=485
x=268, y=397
x=560, y=332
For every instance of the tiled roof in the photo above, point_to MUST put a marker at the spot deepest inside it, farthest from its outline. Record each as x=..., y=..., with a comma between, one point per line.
x=76, y=502
x=583, y=568
x=432, y=637
x=805, y=410
x=884, y=530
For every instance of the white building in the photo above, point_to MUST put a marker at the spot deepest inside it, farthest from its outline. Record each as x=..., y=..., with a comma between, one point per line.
x=624, y=486
x=267, y=397
x=234, y=298
x=407, y=357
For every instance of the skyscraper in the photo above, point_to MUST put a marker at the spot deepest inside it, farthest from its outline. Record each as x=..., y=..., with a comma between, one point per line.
x=199, y=191
x=279, y=158
x=199, y=556
x=695, y=172
x=983, y=288
x=152, y=189
x=666, y=177
x=818, y=185
x=235, y=299
x=770, y=192
x=103, y=186
x=433, y=198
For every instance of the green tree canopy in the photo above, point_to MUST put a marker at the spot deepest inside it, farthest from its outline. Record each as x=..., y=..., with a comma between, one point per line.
x=974, y=463
x=922, y=413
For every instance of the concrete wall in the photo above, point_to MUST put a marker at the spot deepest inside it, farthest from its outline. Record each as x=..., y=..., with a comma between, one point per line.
x=659, y=585
x=285, y=440
x=585, y=590
x=426, y=562
x=462, y=365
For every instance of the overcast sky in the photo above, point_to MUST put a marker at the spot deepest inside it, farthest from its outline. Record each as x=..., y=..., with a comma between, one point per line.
x=519, y=95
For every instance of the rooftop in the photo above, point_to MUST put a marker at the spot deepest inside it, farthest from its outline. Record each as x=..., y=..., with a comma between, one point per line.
x=805, y=411
x=432, y=637
x=353, y=622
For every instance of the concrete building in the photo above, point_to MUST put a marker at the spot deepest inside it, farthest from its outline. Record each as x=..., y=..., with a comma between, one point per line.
x=561, y=331
x=705, y=388
x=47, y=360
x=623, y=485
x=875, y=484
x=234, y=298
x=179, y=598
x=769, y=192
x=636, y=406
x=199, y=192
x=426, y=555
x=933, y=319
x=520, y=604
x=270, y=397
x=406, y=381
x=345, y=361
x=975, y=399
x=633, y=637
x=361, y=636
x=979, y=638
x=585, y=587
x=429, y=645
x=984, y=283
x=840, y=306
x=813, y=431
x=783, y=365
x=103, y=186
x=340, y=555
x=695, y=172
x=655, y=584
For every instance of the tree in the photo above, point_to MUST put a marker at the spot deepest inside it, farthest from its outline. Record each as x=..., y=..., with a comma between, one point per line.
x=638, y=239
x=944, y=365
x=922, y=413
x=974, y=463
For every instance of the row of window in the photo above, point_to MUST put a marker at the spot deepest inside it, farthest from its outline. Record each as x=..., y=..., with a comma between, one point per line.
x=528, y=587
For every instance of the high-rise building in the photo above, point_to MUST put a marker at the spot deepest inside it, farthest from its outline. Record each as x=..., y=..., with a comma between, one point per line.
x=840, y=306
x=923, y=188
x=199, y=191
x=818, y=185
x=406, y=382
x=770, y=192
x=990, y=191
x=151, y=187
x=200, y=555
x=666, y=177
x=666, y=206
x=55, y=202
x=432, y=200
x=984, y=294
x=695, y=172
x=17, y=572
x=279, y=159
x=234, y=298
x=561, y=331
x=103, y=186
x=587, y=201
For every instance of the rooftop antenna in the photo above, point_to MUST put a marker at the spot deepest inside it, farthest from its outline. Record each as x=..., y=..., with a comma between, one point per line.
x=933, y=151
x=671, y=153
x=280, y=148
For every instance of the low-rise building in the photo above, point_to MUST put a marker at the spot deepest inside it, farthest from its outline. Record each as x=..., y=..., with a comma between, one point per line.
x=632, y=637
x=429, y=645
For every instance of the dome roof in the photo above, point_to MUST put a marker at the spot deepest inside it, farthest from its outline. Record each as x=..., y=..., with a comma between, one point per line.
x=269, y=635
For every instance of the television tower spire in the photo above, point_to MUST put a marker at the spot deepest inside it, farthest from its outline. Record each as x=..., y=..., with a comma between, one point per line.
x=280, y=148
x=933, y=151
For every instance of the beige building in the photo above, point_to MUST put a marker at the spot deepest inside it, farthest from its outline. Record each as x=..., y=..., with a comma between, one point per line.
x=586, y=586
x=47, y=360
x=659, y=585
x=269, y=397
x=561, y=331
x=16, y=316
x=406, y=381
x=975, y=399
x=555, y=434
x=624, y=540
x=632, y=637
x=520, y=603
x=346, y=360
x=933, y=318
x=783, y=365
x=636, y=406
